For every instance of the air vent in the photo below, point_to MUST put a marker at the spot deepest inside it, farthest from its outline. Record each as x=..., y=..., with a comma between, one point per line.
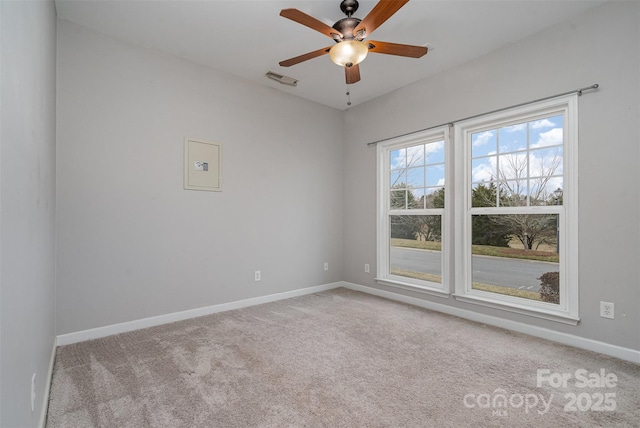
x=285, y=80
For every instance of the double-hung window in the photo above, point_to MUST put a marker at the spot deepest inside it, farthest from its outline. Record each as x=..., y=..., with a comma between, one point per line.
x=507, y=193
x=517, y=188
x=413, y=228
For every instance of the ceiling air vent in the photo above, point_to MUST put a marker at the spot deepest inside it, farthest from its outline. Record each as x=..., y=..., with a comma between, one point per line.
x=285, y=80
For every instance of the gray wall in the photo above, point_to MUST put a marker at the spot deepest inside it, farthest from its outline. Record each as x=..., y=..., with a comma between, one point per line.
x=600, y=46
x=134, y=244
x=131, y=242
x=27, y=200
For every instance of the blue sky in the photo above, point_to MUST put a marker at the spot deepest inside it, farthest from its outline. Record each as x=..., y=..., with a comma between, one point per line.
x=506, y=147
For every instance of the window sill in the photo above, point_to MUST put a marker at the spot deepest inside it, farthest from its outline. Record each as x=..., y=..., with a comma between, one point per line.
x=413, y=287
x=519, y=309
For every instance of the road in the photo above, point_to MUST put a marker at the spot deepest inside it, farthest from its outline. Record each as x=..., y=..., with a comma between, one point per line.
x=515, y=273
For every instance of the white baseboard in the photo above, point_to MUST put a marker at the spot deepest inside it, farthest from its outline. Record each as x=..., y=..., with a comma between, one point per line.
x=45, y=396
x=95, y=333
x=555, y=336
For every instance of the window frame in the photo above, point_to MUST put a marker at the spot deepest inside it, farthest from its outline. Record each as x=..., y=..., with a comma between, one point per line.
x=384, y=210
x=567, y=310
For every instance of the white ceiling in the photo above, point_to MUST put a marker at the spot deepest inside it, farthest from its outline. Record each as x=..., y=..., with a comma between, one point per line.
x=248, y=38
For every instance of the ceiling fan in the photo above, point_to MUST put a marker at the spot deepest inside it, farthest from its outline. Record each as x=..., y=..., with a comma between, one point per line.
x=350, y=33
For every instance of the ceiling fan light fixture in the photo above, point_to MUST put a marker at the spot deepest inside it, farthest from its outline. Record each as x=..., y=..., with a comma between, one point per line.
x=348, y=52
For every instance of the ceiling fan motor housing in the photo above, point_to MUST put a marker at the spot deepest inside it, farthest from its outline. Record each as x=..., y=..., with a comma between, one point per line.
x=346, y=27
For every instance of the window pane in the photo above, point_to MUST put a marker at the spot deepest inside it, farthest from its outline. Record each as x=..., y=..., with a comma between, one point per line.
x=434, y=152
x=434, y=198
x=398, y=199
x=516, y=255
x=513, y=193
x=415, y=247
x=398, y=179
x=483, y=169
x=546, y=132
x=546, y=192
x=415, y=155
x=483, y=143
x=546, y=172
x=512, y=166
x=484, y=195
x=415, y=177
x=398, y=159
x=415, y=198
x=546, y=162
x=512, y=138
x=435, y=175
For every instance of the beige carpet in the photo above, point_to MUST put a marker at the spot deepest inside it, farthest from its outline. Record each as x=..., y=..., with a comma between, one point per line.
x=333, y=359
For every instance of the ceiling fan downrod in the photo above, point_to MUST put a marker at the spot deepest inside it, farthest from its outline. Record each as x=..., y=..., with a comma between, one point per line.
x=346, y=25
x=349, y=7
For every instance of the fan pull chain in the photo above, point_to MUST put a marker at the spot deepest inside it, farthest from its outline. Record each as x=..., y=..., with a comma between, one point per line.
x=348, y=96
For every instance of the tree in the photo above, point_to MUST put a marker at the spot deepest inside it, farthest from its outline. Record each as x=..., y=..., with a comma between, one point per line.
x=401, y=197
x=424, y=227
x=430, y=226
x=435, y=199
x=484, y=230
x=532, y=230
x=402, y=226
x=518, y=186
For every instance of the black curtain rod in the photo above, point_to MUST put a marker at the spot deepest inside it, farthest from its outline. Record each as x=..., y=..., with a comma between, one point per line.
x=578, y=91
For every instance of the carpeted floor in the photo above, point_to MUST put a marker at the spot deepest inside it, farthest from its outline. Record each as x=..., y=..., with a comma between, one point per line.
x=337, y=359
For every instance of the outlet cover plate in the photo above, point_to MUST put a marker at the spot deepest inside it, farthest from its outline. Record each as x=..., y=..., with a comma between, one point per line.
x=607, y=310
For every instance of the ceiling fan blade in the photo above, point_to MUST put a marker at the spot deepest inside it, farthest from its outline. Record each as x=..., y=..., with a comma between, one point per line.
x=310, y=55
x=352, y=74
x=378, y=15
x=397, y=49
x=309, y=21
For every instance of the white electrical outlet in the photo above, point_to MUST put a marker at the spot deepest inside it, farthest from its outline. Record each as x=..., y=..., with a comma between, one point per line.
x=607, y=310
x=33, y=392
x=366, y=267
x=257, y=276
x=326, y=266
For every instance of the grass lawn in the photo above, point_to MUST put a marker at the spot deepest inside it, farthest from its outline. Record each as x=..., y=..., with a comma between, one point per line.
x=417, y=275
x=525, y=294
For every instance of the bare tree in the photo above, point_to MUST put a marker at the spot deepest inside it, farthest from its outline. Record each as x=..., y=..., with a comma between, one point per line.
x=520, y=184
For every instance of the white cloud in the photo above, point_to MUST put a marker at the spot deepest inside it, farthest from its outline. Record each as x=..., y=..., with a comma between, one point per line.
x=516, y=128
x=399, y=160
x=483, y=138
x=544, y=123
x=484, y=171
x=549, y=138
x=434, y=147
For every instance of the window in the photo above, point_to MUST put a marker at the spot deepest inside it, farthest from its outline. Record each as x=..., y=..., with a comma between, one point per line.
x=517, y=205
x=514, y=177
x=411, y=214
